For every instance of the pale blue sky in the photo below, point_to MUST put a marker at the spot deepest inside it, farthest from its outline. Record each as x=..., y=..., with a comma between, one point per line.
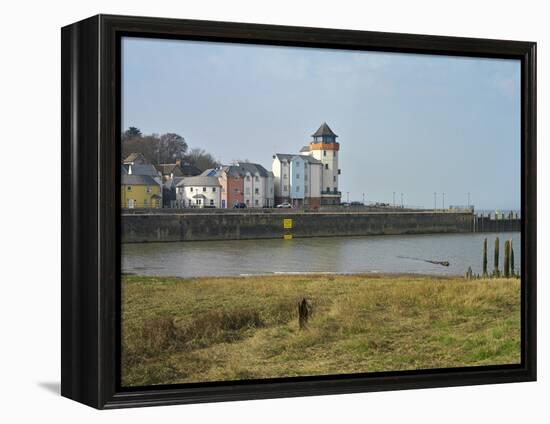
x=416, y=124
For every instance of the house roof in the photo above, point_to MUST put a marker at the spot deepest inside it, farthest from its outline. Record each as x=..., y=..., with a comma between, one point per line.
x=123, y=170
x=199, y=196
x=143, y=169
x=242, y=168
x=166, y=168
x=324, y=130
x=305, y=149
x=200, y=180
x=128, y=179
x=190, y=170
x=173, y=182
x=289, y=157
x=253, y=168
x=132, y=157
x=211, y=172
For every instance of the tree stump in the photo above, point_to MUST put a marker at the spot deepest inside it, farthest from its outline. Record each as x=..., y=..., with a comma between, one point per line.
x=304, y=312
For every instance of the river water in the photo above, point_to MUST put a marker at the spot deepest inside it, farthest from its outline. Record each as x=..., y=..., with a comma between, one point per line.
x=383, y=254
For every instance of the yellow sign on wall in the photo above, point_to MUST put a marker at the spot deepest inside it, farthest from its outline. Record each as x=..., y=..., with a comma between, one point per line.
x=288, y=236
x=287, y=223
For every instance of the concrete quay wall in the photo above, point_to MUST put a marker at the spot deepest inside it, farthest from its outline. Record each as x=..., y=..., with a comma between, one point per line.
x=188, y=226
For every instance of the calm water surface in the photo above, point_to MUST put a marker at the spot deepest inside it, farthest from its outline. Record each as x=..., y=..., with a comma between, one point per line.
x=335, y=254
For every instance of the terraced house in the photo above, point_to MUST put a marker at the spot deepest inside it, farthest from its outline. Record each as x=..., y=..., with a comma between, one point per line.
x=139, y=191
x=244, y=182
x=198, y=192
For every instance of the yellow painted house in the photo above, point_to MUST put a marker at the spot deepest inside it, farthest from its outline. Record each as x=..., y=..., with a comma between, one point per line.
x=139, y=191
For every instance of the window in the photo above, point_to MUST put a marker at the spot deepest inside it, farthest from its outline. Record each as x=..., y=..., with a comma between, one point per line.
x=324, y=152
x=297, y=188
x=213, y=189
x=256, y=202
x=297, y=164
x=190, y=188
x=247, y=190
x=285, y=188
x=247, y=202
x=149, y=189
x=129, y=188
x=334, y=178
x=297, y=175
x=145, y=202
x=256, y=178
x=204, y=189
x=335, y=189
x=284, y=176
x=257, y=190
x=339, y=171
x=199, y=201
x=326, y=165
x=248, y=178
x=236, y=190
x=328, y=189
x=211, y=202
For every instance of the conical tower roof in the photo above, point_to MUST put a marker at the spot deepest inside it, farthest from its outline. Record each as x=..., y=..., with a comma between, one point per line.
x=324, y=130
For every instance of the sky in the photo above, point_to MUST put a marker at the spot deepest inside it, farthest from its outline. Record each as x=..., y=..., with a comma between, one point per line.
x=407, y=123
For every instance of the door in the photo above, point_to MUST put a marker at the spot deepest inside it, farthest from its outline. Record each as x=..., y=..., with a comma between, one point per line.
x=130, y=203
x=223, y=203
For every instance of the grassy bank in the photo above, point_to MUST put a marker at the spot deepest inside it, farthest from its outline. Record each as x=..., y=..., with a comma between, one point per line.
x=211, y=329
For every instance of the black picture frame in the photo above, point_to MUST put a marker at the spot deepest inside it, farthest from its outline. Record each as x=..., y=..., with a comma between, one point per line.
x=90, y=134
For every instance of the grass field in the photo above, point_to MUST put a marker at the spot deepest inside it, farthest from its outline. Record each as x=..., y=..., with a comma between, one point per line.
x=210, y=329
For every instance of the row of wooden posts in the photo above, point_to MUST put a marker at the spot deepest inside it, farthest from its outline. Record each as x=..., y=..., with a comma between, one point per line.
x=509, y=267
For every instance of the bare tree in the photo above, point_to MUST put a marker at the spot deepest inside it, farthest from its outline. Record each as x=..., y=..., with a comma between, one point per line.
x=201, y=159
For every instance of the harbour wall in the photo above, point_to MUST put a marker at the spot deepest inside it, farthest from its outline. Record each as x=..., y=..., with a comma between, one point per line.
x=189, y=226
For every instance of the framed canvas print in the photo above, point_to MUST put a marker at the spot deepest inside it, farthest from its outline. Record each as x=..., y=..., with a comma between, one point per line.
x=254, y=211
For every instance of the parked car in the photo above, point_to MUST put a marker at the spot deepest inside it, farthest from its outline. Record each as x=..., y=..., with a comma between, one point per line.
x=239, y=206
x=357, y=204
x=285, y=205
x=344, y=204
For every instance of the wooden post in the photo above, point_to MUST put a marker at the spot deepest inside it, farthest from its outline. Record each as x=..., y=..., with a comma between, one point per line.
x=507, y=259
x=512, y=265
x=495, y=258
x=485, y=274
x=304, y=312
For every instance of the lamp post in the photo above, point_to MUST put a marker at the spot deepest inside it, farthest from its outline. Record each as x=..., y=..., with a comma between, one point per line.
x=435, y=201
x=443, y=200
x=401, y=200
x=393, y=204
x=363, y=198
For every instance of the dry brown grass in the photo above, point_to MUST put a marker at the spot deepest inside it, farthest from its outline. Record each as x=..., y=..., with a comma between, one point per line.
x=212, y=329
